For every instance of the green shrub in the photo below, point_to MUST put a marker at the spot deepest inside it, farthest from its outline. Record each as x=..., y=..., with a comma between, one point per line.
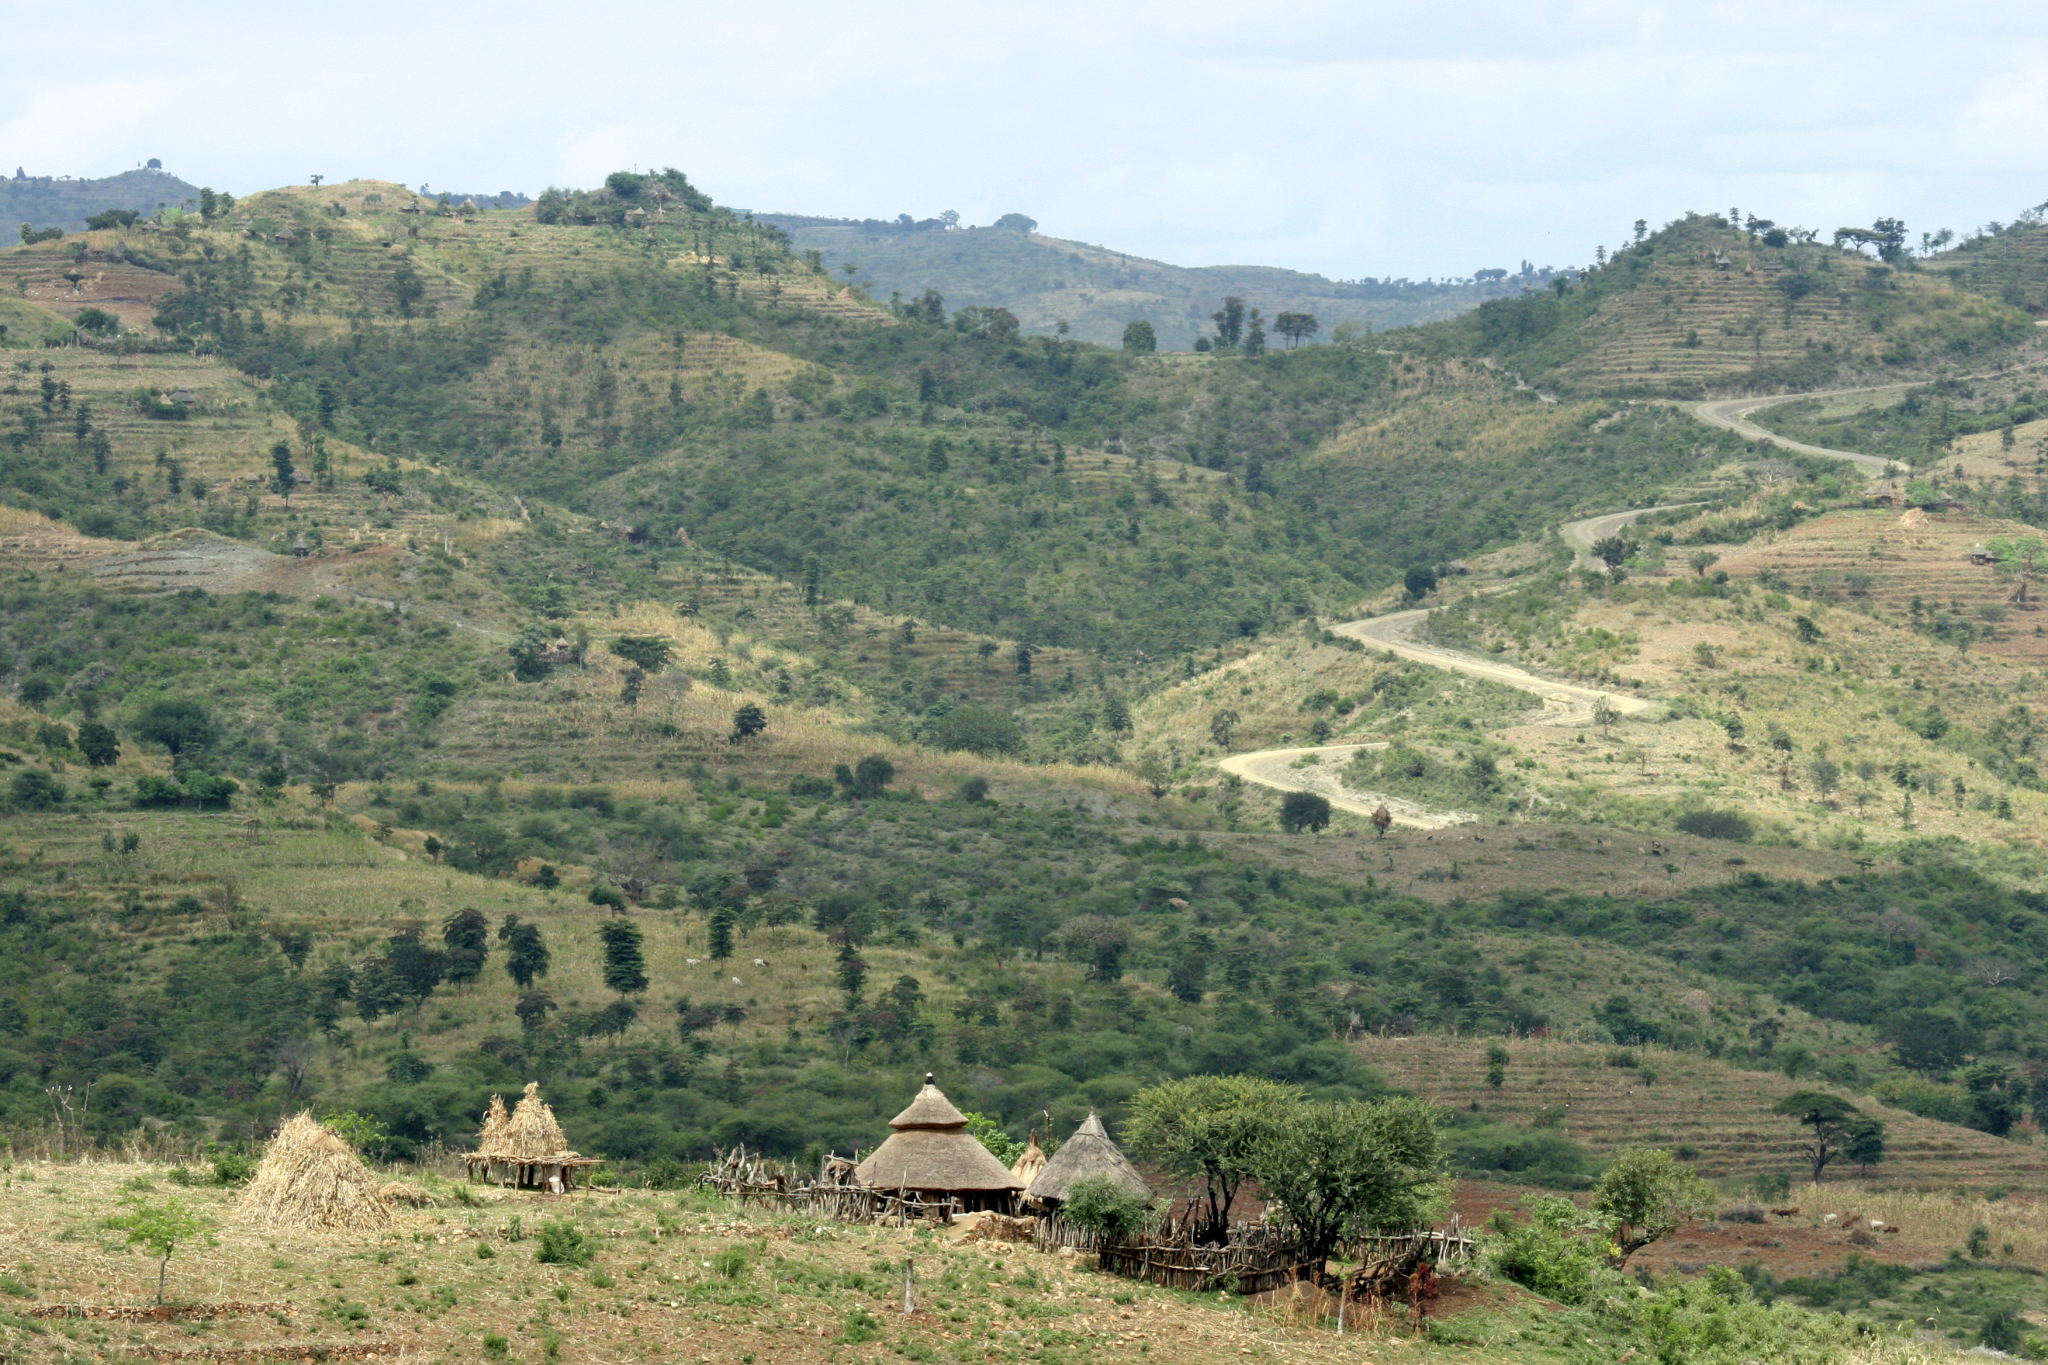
x=1107, y=1209
x=1716, y=824
x=601, y=1278
x=563, y=1243
x=1554, y=1251
x=233, y=1167
x=731, y=1263
x=495, y=1346
x=861, y=1326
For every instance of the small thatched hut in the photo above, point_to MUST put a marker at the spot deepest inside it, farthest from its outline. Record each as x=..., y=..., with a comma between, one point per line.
x=310, y=1178
x=527, y=1151
x=932, y=1153
x=1029, y=1162
x=1088, y=1152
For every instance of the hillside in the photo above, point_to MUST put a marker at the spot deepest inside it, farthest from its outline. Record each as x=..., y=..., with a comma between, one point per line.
x=606, y=563
x=43, y=201
x=2008, y=263
x=1704, y=306
x=1097, y=291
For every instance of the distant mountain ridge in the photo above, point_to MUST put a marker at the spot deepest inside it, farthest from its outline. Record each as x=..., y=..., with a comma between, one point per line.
x=44, y=201
x=1097, y=291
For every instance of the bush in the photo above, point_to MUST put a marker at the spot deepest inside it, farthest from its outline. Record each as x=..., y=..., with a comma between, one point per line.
x=234, y=1167
x=731, y=1263
x=563, y=1243
x=978, y=729
x=1716, y=824
x=1107, y=1209
x=808, y=788
x=1552, y=1252
x=34, y=789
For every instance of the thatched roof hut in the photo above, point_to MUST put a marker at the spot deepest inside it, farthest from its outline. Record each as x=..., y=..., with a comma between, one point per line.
x=1029, y=1162
x=528, y=1150
x=1088, y=1152
x=310, y=1178
x=932, y=1152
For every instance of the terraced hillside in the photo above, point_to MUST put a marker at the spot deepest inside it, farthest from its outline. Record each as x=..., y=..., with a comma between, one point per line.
x=1717, y=1115
x=1703, y=305
x=2010, y=265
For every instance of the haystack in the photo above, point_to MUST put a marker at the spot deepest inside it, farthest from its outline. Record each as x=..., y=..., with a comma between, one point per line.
x=1030, y=1161
x=407, y=1193
x=490, y=1139
x=1087, y=1153
x=932, y=1153
x=532, y=1133
x=310, y=1178
x=529, y=1150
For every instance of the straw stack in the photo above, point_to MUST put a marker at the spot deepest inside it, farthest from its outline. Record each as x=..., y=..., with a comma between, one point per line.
x=532, y=1134
x=491, y=1140
x=1030, y=1161
x=310, y=1178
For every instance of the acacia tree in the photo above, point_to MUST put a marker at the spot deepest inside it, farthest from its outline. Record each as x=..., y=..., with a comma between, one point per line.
x=1208, y=1128
x=748, y=721
x=1347, y=1170
x=1645, y=1194
x=1296, y=326
x=1829, y=1120
x=1304, y=811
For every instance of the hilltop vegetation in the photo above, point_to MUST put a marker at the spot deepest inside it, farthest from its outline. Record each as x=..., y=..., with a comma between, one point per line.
x=1097, y=292
x=42, y=201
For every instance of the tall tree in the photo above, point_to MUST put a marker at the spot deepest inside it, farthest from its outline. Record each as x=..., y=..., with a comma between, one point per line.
x=625, y=966
x=526, y=952
x=1349, y=1170
x=1208, y=1128
x=466, y=941
x=1296, y=327
x=1140, y=338
x=1828, y=1120
x=1229, y=321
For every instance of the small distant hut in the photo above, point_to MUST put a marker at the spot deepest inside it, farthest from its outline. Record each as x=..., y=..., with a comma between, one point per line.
x=529, y=1150
x=932, y=1154
x=309, y=1178
x=1030, y=1161
x=1980, y=553
x=1089, y=1152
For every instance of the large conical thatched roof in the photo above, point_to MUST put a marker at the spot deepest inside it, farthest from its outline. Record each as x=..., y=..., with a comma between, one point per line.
x=931, y=1149
x=1030, y=1161
x=310, y=1178
x=1088, y=1152
x=532, y=1133
x=490, y=1139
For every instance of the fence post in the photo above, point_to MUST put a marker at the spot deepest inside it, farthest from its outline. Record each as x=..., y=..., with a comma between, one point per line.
x=909, y=1285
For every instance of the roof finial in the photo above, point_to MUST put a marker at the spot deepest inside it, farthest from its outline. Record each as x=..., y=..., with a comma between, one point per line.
x=929, y=1079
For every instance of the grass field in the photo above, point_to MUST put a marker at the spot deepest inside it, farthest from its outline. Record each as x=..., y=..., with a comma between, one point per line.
x=677, y=1276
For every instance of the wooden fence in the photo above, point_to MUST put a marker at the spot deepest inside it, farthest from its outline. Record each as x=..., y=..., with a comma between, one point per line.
x=831, y=1195
x=1256, y=1257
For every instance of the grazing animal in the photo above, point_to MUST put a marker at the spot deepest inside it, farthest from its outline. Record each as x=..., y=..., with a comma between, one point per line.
x=735, y=981
x=760, y=962
x=1786, y=1213
x=693, y=961
x=1891, y=1229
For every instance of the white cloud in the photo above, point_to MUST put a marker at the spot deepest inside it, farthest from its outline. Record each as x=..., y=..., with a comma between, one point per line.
x=1355, y=139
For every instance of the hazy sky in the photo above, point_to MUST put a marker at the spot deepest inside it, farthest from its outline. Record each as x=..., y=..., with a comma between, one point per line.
x=1355, y=139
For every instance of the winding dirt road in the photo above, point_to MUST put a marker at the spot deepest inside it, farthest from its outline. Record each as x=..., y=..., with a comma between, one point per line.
x=1563, y=703
x=1732, y=414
